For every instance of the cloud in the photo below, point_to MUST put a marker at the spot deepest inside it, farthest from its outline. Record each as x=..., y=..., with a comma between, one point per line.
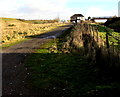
x=49, y=9
x=32, y=9
x=7, y=7
x=96, y=11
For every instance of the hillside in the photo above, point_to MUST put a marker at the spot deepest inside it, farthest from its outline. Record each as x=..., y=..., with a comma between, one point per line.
x=16, y=29
x=114, y=24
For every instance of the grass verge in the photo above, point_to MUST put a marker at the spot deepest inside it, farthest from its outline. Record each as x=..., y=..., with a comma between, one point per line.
x=56, y=74
x=6, y=45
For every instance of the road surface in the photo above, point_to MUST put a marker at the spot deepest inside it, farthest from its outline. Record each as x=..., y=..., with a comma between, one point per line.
x=13, y=71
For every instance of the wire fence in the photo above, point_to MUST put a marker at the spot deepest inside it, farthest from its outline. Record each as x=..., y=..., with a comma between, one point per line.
x=109, y=46
x=86, y=39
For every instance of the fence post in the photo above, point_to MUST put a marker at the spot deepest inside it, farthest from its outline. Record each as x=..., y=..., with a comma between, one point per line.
x=112, y=47
x=97, y=32
x=118, y=42
x=93, y=31
x=90, y=30
x=107, y=40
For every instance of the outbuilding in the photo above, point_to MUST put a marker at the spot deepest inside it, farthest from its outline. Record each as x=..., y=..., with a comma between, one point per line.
x=76, y=18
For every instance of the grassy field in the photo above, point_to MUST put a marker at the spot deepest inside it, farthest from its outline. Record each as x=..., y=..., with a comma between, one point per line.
x=14, y=29
x=113, y=37
x=57, y=74
x=54, y=73
x=38, y=21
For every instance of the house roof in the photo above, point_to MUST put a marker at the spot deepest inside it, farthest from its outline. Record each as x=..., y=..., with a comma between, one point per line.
x=77, y=15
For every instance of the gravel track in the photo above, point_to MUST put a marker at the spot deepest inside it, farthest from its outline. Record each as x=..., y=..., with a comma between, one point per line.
x=13, y=71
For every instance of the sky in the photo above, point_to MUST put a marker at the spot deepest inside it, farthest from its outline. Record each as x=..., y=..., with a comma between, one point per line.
x=51, y=9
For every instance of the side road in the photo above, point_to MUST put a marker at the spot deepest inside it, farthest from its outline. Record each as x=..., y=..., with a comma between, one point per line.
x=13, y=71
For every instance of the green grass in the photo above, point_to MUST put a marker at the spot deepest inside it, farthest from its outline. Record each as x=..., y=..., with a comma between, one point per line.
x=7, y=19
x=112, y=41
x=102, y=28
x=6, y=45
x=56, y=74
x=60, y=73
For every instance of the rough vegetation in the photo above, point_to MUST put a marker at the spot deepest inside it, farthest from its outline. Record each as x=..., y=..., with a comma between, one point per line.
x=13, y=29
x=39, y=21
x=75, y=65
